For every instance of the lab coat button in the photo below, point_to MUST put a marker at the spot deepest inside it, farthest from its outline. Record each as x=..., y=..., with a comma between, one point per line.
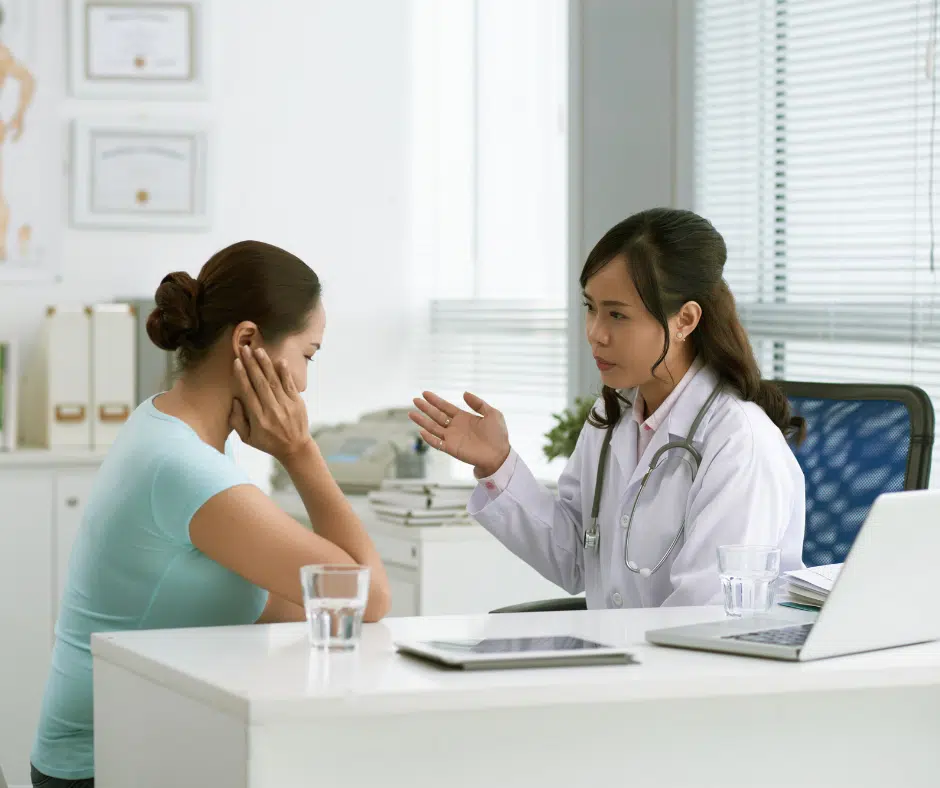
x=625, y=520
x=617, y=599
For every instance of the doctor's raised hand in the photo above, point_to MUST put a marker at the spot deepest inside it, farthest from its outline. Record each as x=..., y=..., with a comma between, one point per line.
x=479, y=439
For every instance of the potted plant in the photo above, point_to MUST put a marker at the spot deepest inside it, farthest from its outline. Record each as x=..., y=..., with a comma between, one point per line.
x=564, y=435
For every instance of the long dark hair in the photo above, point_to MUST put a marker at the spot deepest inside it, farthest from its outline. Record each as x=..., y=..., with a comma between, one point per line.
x=249, y=280
x=674, y=257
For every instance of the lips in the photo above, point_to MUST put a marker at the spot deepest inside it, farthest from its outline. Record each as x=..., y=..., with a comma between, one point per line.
x=602, y=364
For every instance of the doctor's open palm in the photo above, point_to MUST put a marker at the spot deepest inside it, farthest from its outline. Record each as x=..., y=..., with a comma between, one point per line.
x=479, y=439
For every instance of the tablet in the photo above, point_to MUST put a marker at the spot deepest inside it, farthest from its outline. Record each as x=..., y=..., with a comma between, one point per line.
x=520, y=652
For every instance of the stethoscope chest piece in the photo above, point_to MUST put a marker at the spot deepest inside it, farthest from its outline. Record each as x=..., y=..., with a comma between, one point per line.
x=591, y=538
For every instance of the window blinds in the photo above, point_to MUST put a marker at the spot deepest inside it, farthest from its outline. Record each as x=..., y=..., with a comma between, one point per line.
x=816, y=158
x=493, y=94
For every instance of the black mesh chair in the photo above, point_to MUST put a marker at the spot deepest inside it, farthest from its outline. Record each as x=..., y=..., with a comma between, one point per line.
x=861, y=440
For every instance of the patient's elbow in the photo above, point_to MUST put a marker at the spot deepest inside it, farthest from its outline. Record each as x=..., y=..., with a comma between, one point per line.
x=380, y=602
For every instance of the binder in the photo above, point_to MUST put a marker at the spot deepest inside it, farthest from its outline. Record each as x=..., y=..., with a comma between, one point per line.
x=55, y=406
x=113, y=374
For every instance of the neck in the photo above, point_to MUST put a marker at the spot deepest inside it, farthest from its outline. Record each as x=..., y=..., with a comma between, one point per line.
x=202, y=400
x=663, y=383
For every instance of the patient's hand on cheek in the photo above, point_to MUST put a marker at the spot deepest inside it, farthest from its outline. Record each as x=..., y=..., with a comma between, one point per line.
x=268, y=412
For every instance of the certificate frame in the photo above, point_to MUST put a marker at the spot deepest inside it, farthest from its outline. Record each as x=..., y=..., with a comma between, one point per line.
x=92, y=74
x=89, y=136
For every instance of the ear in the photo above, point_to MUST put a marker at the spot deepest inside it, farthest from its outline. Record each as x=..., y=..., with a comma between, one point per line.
x=688, y=318
x=245, y=334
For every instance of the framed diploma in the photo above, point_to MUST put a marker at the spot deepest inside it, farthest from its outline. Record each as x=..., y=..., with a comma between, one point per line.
x=143, y=175
x=138, y=50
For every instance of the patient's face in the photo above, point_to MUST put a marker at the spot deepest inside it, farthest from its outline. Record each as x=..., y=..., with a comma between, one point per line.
x=299, y=349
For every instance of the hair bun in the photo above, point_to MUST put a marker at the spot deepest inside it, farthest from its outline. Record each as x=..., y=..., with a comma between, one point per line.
x=175, y=322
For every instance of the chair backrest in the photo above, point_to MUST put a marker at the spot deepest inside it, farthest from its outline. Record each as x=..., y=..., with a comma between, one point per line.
x=861, y=440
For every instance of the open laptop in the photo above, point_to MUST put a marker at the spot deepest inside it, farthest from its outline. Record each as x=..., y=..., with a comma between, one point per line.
x=515, y=652
x=885, y=595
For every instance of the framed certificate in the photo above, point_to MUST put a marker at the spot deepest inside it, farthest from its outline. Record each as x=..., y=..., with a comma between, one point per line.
x=146, y=49
x=140, y=175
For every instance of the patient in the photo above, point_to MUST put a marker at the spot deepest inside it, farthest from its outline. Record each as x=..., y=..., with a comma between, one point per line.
x=174, y=533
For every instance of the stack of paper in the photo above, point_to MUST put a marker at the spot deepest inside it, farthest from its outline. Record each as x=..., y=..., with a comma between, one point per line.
x=809, y=587
x=422, y=502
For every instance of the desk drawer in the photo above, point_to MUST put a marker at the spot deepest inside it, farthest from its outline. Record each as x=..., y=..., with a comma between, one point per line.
x=397, y=551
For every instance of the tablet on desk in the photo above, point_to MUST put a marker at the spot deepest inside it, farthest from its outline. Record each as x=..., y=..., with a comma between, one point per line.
x=521, y=652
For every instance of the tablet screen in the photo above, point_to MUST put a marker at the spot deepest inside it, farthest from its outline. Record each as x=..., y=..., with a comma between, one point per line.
x=510, y=645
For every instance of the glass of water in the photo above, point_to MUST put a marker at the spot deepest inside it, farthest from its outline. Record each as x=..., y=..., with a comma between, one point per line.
x=335, y=597
x=748, y=573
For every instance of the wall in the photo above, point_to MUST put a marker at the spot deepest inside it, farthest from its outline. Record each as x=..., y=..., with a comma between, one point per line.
x=632, y=147
x=310, y=101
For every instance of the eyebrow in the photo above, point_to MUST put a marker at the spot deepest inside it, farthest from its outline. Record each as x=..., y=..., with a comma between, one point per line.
x=607, y=303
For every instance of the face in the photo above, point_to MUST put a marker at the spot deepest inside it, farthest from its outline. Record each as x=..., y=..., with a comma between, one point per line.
x=297, y=349
x=625, y=339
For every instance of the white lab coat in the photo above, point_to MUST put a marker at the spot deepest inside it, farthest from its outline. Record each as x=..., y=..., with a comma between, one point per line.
x=749, y=489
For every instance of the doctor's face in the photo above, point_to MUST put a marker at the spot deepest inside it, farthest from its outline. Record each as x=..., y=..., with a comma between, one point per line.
x=299, y=349
x=625, y=339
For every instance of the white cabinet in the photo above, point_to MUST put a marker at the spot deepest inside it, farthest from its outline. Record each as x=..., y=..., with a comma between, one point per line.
x=25, y=612
x=72, y=489
x=42, y=495
x=443, y=570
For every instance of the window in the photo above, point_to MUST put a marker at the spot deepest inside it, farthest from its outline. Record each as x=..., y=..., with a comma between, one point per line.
x=490, y=197
x=816, y=158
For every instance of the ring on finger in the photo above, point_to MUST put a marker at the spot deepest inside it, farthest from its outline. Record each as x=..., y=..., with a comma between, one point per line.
x=446, y=422
x=441, y=446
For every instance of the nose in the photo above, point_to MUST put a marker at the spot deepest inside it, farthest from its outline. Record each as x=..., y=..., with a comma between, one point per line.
x=597, y=334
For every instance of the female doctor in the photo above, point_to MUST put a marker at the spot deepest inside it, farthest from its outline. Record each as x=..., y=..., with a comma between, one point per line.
x=685, y=450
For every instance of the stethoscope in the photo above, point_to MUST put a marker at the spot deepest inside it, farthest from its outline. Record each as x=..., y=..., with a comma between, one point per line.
x=592, y=536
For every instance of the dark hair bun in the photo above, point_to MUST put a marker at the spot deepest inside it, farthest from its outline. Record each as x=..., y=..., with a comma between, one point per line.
x=175, y=321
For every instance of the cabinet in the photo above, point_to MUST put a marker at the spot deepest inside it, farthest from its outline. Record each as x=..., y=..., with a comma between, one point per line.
x=42, y=494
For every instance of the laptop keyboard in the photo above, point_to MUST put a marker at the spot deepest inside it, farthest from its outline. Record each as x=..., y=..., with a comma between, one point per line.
x=785, y=636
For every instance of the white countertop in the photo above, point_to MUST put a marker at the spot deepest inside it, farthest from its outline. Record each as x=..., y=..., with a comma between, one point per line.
x=33, y=458
x=290, y=502
x=268, y=673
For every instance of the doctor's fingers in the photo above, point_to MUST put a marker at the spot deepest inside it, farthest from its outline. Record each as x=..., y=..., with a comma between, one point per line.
x=434, y=441
x=435, y=413
x=428, y=425
x=447, y=408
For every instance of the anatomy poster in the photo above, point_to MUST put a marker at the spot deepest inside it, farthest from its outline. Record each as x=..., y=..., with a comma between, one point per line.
x=29, y=199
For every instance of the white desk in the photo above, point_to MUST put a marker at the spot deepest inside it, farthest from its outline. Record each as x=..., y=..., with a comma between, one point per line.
x=253, y=706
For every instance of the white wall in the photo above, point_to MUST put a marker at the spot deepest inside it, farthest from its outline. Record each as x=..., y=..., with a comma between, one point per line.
x=310, y=100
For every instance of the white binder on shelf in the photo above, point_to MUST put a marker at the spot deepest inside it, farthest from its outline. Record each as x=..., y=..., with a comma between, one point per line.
x=55, y=406
x=113, y=372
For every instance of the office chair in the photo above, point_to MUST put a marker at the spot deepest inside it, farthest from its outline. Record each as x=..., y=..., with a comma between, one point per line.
x=861, y=440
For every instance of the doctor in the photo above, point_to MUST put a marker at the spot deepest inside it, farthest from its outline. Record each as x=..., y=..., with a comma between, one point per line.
x=684, y=451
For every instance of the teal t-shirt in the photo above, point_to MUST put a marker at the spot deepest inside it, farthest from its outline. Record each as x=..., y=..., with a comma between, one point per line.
x=133, y=566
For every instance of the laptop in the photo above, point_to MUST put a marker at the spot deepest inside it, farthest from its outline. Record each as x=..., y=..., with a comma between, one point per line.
x=515, y=652
x=884, y=596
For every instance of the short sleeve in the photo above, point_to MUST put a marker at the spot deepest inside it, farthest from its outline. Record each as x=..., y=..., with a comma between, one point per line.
x=184, y=482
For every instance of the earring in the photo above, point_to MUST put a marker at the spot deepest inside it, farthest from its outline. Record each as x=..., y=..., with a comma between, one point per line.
x=680, y=337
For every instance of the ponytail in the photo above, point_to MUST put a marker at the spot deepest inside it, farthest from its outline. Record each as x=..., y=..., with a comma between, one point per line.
x=723, y=344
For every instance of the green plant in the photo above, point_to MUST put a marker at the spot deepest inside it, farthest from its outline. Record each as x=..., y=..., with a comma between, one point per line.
x=569, y=423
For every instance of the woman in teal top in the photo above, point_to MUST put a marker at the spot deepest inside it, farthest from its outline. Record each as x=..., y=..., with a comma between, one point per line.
x=174, y=534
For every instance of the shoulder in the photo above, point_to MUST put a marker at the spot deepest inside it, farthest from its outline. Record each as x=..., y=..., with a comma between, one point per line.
x=744, y=434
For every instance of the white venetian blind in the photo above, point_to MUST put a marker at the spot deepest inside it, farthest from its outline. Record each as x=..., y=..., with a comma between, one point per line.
x=817, y=159
x=491, y=93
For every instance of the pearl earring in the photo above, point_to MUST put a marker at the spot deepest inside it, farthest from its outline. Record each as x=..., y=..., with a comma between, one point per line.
x=680, y=337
